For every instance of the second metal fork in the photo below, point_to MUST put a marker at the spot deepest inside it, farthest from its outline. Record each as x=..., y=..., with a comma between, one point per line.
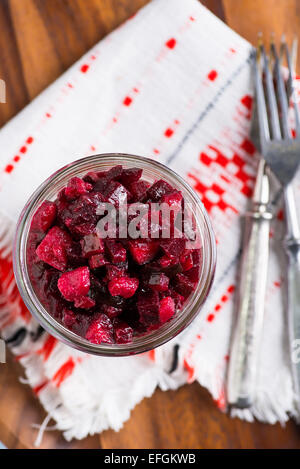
x=282, y=153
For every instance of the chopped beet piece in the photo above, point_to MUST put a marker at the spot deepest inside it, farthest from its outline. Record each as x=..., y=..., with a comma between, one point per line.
x=116, y=251
x=77, y=187
x=158, y=189
x=100, y=331
x=193, y=274
x=159, y=282
x=138, y=190
x=74, y=255
x=130, y=176
x=115, y=271
x=183, y=285
x=97, y=261
x=68, y=318
x=123, y=286
x=167, y=261
x=84, y=229
x=111, y=311
x=105, y=178
x=91, y=244
x=84, y=302
x=178, y=299
x=148, y=307
x=143, y=250
x=166, y=309
x=81, y=211
x=174, y=200
x=75, y=283
x=117, y=194
x=122, y=332
x=91, y=177
x=53, y=248
x=186, y=260
x=114, y=173
x=173, y=247
x=44, y=216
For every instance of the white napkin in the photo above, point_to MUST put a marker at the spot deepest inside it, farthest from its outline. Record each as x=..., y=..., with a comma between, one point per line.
x=173, y=83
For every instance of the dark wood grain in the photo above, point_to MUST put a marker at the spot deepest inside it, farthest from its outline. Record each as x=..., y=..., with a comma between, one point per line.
x=39, y=40
x=248, y=17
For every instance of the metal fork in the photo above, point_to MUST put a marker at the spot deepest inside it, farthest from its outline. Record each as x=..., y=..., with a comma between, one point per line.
x=250, y=298
x=282, y=153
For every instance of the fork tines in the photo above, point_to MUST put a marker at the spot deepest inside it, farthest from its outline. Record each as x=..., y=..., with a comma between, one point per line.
x=273, y=93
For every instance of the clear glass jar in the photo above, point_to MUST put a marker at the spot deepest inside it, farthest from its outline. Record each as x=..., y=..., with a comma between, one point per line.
x=152, y=170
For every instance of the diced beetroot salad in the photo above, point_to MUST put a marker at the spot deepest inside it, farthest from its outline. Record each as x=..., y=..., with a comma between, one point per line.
x=108, y=290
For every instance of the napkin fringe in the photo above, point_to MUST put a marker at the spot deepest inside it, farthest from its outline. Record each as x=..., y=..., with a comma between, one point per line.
x=91, y=416
x=269, y=407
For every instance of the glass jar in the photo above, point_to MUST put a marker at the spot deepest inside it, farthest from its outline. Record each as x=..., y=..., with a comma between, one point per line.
x=152, y=171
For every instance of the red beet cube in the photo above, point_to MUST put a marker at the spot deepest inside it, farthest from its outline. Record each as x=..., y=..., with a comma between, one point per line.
x=91, y=177
x=143, y=250
x=91, y=244
x=186, y=260
x=158, y=189
x=117, y=194
x=84, y=302
x=100, y=331
x=166, y=309
x=111, y=311
x=114, y=173
x=174, y=200
x=77, y=187
x=123, y=286
x=193, y=274
x=75, y=283
x=84, y=229
x=115, y=271
x=158, y=282
x=44, y=216
x=68, y=318
x=167, y=261
x=116, y=251
x=105, y=178
x=173, y=247
x=53, y=248
x=138, y=189
x=148, y=307
x=80, y=211
x=183, y=285
x=97, y=261
x=122, y=332
x=130, y=176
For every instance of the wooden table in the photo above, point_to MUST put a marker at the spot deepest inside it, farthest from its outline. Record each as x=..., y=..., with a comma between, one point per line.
x=39, y=40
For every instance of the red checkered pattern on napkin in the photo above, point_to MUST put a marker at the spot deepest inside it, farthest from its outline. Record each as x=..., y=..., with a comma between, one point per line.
x=173, y=83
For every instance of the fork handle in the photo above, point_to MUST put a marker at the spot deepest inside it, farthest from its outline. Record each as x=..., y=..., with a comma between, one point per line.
x=292, y=248
x=293, y=289
x=250, y=308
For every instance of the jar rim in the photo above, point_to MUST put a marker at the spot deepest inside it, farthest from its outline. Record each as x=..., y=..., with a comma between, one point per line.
x=141, y=343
